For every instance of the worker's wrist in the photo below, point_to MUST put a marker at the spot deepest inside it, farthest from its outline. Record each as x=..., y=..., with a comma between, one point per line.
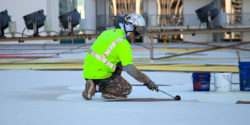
x=146, y=82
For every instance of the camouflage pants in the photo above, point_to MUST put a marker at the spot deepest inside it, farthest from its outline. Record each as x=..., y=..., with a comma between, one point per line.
x=115, y=85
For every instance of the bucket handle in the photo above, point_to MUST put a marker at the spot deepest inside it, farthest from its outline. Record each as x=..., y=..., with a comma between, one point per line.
x=227, y=79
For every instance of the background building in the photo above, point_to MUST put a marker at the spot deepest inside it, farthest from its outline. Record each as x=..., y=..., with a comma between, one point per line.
x=98, y=15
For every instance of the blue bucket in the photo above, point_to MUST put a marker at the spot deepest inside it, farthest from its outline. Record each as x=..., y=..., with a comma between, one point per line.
x=201, y=81
x=244, y=69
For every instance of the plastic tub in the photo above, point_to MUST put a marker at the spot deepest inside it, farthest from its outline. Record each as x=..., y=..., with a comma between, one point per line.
x=201, y=81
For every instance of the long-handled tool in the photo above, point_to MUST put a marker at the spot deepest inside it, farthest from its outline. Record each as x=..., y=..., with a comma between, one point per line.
x=177, y=97
x=238, y=56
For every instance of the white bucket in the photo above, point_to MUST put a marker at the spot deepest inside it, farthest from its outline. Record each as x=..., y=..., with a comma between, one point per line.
x=223, y=82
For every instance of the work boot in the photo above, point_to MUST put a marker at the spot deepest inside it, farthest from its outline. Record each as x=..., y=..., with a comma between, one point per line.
x=113, y=96
x=89, y=90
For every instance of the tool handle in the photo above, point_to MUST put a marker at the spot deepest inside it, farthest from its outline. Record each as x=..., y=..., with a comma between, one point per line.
x=166, y=93
x=238, y=55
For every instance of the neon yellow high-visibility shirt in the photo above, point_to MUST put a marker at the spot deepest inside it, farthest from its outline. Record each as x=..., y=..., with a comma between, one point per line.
x=96, y=69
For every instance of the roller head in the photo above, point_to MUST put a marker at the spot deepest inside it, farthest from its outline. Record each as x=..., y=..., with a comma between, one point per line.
x=177, y=97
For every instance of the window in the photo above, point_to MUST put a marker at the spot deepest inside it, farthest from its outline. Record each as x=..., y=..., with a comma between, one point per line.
x=233, y=9
x=125, y=7
x=170, y=12
x=68, y=5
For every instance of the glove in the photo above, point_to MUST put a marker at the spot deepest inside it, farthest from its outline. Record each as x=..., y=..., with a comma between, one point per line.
x=151, y=85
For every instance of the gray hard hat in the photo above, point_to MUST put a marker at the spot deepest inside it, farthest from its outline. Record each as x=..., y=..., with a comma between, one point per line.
x=119, y=19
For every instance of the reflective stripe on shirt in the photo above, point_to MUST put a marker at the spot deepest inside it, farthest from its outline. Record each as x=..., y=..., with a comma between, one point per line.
x=107, y=52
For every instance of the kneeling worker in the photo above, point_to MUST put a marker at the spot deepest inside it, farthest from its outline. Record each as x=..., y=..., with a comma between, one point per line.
x=109, y=55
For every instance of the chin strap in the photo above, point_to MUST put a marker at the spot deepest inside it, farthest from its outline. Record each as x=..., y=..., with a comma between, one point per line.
x=125, y=30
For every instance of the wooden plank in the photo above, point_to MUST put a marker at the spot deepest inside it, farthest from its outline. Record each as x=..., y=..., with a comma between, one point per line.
x=57, y=37
x=207, y=44
x=198, y=43
x=165, y=44
x=151, y=47
x=183, y=30
x=204, y=50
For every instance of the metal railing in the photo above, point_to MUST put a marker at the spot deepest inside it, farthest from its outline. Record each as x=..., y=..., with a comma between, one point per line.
x=104, y=21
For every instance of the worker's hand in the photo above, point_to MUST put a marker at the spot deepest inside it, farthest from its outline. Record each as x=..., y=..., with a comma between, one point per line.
x=151, y=85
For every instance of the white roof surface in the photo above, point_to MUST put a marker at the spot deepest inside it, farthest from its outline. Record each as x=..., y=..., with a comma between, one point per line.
x=35, y=97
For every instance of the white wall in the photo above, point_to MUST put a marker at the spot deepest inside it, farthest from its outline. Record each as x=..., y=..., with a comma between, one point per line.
x=151, y=12
x=191, y=5
x=190, y=18
x=53, y=13
x=246, y=18
x=90, y=14
x=18, y=8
